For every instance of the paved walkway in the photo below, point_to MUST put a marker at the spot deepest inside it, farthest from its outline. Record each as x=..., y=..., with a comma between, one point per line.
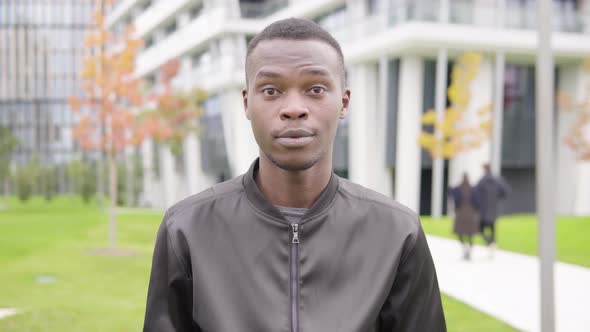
x=507, y=286
x=5, y=312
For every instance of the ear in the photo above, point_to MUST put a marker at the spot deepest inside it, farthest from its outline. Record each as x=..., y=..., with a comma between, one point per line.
x=245, y=100
x=345, y=103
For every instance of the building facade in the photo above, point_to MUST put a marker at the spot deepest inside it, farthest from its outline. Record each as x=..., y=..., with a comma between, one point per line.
x=41, y=48
x=398, y=58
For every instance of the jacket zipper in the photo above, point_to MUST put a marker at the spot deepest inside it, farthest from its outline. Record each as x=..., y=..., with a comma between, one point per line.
x=294, y=273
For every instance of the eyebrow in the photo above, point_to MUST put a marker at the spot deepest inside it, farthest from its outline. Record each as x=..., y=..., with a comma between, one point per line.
x=268, y=74
x=309, y=71
x=316, y=72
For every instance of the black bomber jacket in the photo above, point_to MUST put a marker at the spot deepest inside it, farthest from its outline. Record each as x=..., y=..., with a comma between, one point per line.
x=226, y=260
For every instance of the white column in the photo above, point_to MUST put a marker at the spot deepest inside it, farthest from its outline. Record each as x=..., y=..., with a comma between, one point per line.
x=382, y=173
x=573, y=176
x=545, y=164
x=584, y=11
x=407, y=159
x=4, y=65
x=498, y=103
x=581, y=207
x=472, y=161
x=240, y=144
x=367, y=126
x=168, y=175
x=497, y=115
x=148, y=173
x=440, y=106
x=359, y=150
x=444, y=10
x=129, y=176
x=356, y=11
x=582, y=199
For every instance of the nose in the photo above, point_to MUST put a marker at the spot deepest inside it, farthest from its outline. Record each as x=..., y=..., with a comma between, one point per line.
x=294, y=108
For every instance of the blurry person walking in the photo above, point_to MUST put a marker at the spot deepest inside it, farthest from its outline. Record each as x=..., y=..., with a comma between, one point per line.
x=466, y=214
x=489, y=191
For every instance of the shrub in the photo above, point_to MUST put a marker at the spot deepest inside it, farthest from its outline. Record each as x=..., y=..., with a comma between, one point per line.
x=83, y=176
x=25, y=178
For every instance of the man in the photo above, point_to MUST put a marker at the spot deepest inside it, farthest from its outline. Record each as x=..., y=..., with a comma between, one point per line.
x=489, y=191
x=290, y=246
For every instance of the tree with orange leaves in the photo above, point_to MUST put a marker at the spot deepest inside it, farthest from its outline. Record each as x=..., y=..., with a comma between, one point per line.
x=107, y=122
x=175, y=113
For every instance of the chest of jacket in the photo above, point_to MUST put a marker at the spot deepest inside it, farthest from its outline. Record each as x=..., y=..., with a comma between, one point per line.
x=246, y=267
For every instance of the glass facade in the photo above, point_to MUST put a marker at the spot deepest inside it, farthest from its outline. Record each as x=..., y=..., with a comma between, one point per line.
x=260, y=8
x=213, y=152
x=340, y=151
x=41, y=47
x=392, y=97
x=518, y=134
x=518, y=137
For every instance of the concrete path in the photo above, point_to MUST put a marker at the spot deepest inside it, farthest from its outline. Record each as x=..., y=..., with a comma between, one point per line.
x=507, y=286
x=5, y=312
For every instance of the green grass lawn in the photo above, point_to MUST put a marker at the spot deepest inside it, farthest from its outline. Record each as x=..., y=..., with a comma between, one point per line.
x=98, y=293
x=519, y=233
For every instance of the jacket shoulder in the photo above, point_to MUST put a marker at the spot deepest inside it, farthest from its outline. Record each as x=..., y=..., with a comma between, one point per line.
x=377, y=200
x=219, y=190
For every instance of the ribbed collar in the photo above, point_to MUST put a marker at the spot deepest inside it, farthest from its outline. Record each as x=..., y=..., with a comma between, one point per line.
x=259, y=200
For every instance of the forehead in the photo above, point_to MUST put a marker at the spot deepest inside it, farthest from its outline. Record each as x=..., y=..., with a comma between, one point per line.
x=293, y=53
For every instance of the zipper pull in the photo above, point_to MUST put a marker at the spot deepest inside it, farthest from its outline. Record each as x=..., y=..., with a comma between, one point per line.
x=295, y=233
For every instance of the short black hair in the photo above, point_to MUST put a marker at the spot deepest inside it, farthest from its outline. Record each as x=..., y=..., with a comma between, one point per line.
x=295, y=29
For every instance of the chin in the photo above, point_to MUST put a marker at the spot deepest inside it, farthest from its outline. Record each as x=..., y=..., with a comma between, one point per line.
x=293, y=163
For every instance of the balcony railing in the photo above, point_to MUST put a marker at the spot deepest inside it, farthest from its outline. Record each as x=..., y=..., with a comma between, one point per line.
x=516, y=15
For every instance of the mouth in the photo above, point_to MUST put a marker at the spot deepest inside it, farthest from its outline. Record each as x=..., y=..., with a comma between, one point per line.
x=294, y=138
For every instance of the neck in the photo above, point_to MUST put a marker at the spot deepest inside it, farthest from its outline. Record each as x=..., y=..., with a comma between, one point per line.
x=299, y=189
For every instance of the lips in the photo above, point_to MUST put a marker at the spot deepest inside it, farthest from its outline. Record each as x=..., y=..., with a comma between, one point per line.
x=294, y=138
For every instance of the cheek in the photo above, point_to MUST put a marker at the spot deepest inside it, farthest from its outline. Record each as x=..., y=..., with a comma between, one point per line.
x=331, y=116
x=260, y=124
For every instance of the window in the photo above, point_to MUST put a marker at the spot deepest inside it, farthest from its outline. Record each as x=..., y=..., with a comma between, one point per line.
x=150, y=81
x=249, y=39
x=260, y=8
x=518, y=138
x=372, y=7
x=196, y=10
x=56, y=133
x=179, y=162
x=170, y=28
x=198, y=58
x=149, y=41
x=146, y=5
x=156, y=159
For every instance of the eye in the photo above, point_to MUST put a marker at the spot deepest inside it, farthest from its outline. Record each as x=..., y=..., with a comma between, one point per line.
x=270, y=92
x=316, y=90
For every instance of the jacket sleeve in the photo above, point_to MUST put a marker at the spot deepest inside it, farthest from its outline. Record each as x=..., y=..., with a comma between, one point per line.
x=169, y=299
x=414, y=302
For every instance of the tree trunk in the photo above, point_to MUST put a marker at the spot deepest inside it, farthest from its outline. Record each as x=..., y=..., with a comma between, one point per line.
x=113, y=195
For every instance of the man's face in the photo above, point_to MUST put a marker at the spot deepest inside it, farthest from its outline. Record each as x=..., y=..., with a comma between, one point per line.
x=294, y=97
